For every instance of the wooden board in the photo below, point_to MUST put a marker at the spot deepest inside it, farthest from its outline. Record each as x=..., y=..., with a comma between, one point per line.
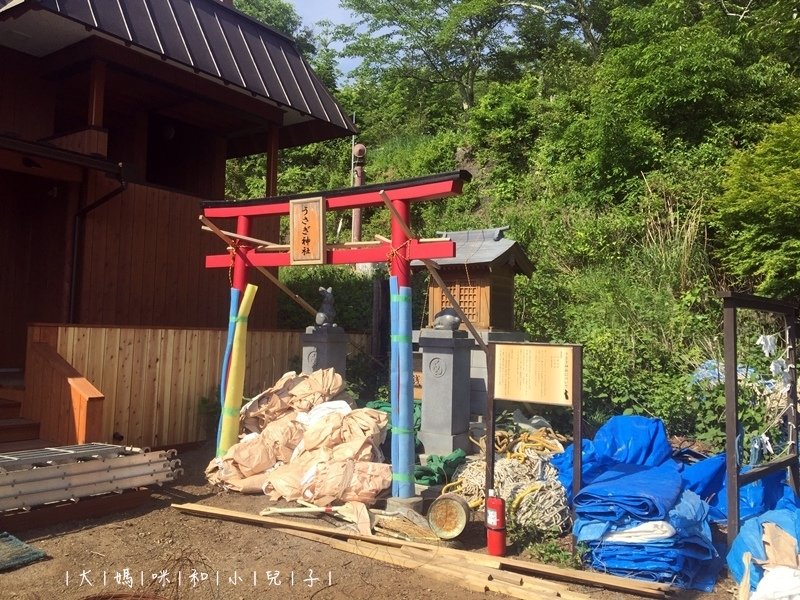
x=87, y=508
x=643, y=588
x=307, y=231
x=538, y=373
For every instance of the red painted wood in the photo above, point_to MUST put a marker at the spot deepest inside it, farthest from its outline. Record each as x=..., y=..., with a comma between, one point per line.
x=341, y=256
x=239, y=265
x=411, y=193
x=400, y=267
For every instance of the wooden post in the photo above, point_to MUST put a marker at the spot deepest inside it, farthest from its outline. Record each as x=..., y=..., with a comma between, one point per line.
x=731, y=418
x=97, y=88
x=272, y=161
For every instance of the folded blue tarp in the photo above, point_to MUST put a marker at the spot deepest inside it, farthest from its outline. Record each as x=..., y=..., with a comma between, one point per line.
x=687, y=559
x=630, y=491
x=678, y=562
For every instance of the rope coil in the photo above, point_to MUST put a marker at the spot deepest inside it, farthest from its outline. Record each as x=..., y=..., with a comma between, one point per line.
x=524, y=478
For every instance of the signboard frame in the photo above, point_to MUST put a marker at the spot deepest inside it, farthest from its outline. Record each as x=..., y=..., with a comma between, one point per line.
x=562, y=362
x=307, y=231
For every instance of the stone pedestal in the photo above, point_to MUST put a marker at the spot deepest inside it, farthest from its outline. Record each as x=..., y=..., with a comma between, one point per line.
x=445, y=390
x=324, y=347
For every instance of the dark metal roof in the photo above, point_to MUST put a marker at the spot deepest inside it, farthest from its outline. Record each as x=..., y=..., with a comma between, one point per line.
x=209, y=37
x=484, y=247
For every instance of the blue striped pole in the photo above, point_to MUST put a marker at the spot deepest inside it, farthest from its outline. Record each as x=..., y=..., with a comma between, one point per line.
x=405, y=425
x=394, y=382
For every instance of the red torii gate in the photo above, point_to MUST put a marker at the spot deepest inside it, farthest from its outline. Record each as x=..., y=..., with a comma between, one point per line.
x=400, y=250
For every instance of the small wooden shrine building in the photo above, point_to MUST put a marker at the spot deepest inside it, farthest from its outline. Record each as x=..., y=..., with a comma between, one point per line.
x=480, y=277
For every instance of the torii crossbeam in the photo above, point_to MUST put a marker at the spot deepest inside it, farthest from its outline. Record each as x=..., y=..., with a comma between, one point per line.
x=399, y=251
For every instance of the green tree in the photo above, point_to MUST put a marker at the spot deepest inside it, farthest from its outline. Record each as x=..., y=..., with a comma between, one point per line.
x=431, y=42
x=280, y=15
x=758, y=215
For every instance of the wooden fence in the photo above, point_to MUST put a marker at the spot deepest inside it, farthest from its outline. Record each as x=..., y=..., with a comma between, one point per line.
x=155, y=380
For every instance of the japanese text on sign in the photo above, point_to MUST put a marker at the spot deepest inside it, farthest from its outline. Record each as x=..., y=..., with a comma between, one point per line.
x=540, y=373
x=307, y=231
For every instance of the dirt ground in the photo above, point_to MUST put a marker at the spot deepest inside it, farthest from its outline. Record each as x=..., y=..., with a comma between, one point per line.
x=156, y=552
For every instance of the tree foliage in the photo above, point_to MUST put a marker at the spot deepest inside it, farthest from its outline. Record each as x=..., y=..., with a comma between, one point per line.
x=758, y=215
x=643, y=154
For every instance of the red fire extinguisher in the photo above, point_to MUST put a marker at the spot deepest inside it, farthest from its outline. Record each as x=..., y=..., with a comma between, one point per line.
x=495, y=525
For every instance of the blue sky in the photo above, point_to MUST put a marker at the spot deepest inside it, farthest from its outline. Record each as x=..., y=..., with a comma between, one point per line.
x=312, y=11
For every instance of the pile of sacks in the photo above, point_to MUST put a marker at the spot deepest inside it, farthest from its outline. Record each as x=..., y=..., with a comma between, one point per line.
x=302, y=439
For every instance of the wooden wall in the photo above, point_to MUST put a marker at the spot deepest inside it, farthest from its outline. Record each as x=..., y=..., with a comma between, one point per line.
x=33, y=272
x=143, y=263
x=26, y=107
x=153, y=379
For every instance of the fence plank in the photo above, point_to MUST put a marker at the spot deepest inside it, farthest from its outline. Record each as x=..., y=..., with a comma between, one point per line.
x=153, y=378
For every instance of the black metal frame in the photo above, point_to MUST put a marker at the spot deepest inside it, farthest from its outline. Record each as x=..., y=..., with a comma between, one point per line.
x=731, y=302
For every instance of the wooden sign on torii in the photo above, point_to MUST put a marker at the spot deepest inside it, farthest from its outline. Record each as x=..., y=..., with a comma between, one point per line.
x=399, y=251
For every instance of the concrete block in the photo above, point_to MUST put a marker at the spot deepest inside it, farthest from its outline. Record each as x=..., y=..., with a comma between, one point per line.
x=395, y=504
x=324, y=348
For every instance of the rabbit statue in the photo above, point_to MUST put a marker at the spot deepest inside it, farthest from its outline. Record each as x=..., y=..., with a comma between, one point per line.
x=326, y=312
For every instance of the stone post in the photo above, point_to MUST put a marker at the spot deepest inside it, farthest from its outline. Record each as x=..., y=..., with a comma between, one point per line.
x=445, y=390
x=324, y=347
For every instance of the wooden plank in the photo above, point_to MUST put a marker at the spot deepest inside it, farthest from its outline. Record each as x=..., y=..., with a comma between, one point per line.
x=109, y=378
x=178, y=369
x=134, y=389
x=160, y=388
x=451, y=572
x=68, y=512
x=188, y=402
x=655, y=590
x=197, y=382
x=122, y=384
x=80, y=357
x=166, y=292
x=148, y=383
x=141, y=228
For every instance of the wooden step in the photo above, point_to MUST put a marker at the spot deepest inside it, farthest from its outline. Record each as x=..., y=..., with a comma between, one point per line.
x=9, y=409
x=15, y=430
x=12, y=393
x=25, y=445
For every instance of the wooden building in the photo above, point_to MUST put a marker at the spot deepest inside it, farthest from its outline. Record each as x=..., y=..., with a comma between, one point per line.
x=116, y=120
x=480, y=277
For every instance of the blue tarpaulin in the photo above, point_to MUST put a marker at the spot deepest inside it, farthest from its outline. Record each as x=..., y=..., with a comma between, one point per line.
x=630, y=491
x=630, y=477
x=785, y=515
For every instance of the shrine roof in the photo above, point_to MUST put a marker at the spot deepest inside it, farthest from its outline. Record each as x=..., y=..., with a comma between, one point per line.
x=484, y=247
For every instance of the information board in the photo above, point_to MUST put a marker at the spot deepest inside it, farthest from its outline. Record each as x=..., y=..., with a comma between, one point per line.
x=538, y=373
